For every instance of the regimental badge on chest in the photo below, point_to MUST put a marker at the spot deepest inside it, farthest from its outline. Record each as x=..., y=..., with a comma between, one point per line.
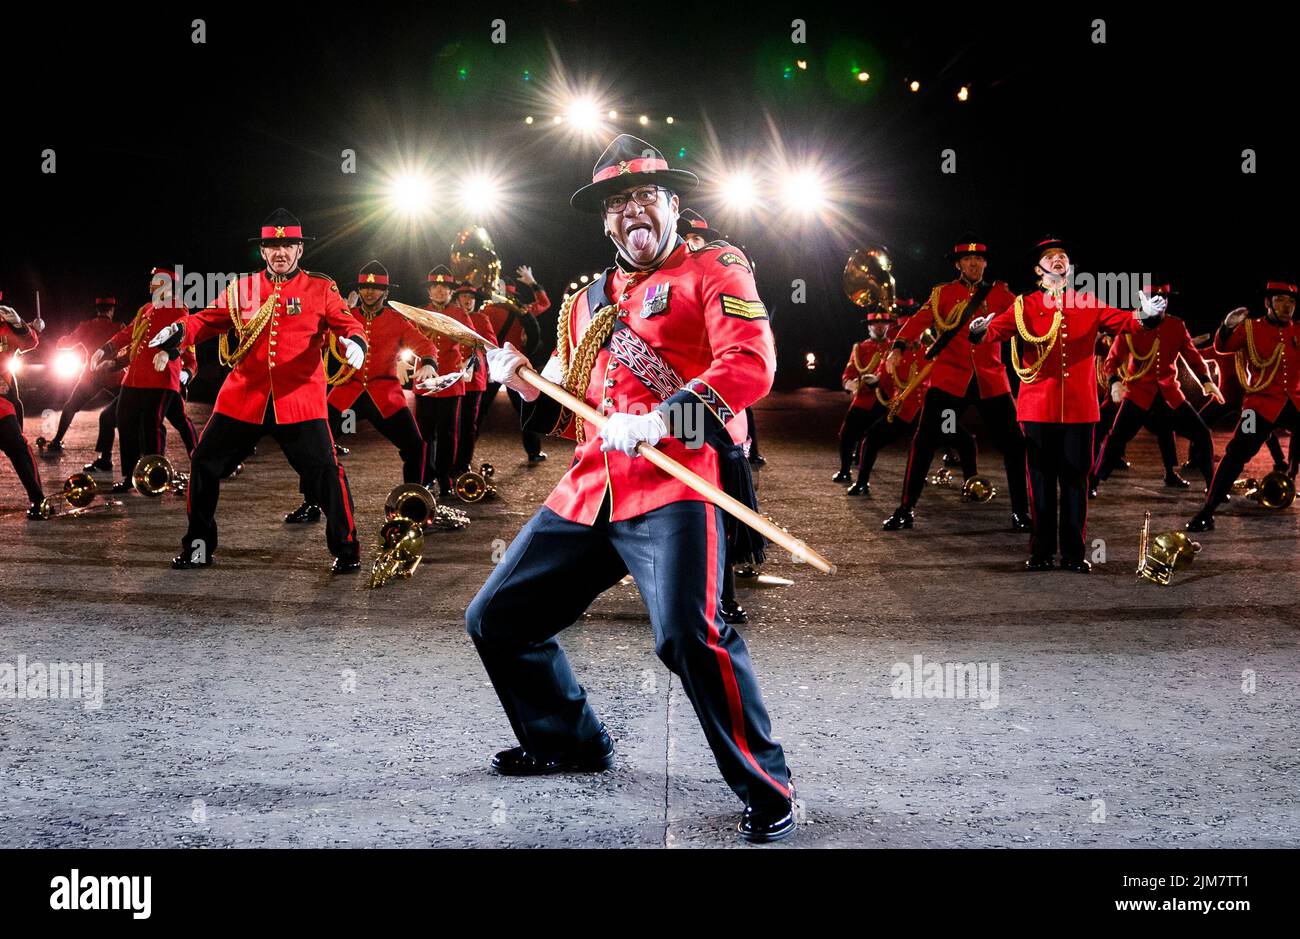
x=293, y=306
x=655, y=301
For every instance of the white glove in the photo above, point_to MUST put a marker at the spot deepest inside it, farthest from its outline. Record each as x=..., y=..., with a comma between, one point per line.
x=160, y=361
x=554, y=371
x=1234, y=319
x=1211, y=389
x=624, y=431
x=171, y=329
x=979, y=326
x=353, y=353
x=424, y=373
x=10, y=315
x=97, y=359
x=37, y=325
x=185, y=377
x=1150, y=306
x=851, y=385
x=503, y=369
x=871, y=379
x=1117, y=391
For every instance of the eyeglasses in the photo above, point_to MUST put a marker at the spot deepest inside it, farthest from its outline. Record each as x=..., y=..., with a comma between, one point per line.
x=646, y=195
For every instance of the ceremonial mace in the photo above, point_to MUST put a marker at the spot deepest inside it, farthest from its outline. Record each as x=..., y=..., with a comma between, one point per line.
x=446, y=326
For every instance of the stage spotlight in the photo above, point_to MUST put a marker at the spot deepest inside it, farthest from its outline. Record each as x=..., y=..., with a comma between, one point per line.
x=557, y=120
x=810, y=361
x=528, y=119
x=963, y=93
x=802, y=63
x=583, y=279
x=668, y=119
x=613, y=115
x=479, y=195
x=67, y=365
x=643, y=120
x=583, y=115
x=739, y=192
x=15, y=365
x=864, y=77
x=803, y=191
x=573, y=285
x=411, y=193
x=914, y=86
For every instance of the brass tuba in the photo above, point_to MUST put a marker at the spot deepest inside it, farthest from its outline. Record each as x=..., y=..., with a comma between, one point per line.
x=1275, y=492
x=401, y=539
x=1161, y=556
x=474, y=487
x=154, y=474
x=869, y=280
x=473, y=259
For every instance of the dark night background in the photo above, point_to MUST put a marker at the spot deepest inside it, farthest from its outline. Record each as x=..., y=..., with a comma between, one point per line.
x=170, y=151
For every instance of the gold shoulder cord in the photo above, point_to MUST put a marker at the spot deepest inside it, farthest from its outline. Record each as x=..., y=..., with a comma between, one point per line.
x=246, y=332
x=138, y=330
x=1045, y=343
x=1267, y=368
x=943, y=324
x=577, y=373
x=870, y=366
x=1143, y=361
x=345, y=371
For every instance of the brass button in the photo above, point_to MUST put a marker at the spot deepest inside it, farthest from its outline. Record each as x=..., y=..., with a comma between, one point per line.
x=608, y=402
x=609, y=383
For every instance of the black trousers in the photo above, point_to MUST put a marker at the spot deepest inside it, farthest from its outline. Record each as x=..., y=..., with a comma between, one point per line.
x=1164, y=422
x=140, y=413
x=531, y=440
x=87, y=391
x=1058, y=456
x=310, y=450
x=399, y=429
x=675, y=554
x=1212, y=410
x=853, y=429
x=1242, y=448
x=999, y=414
x=439, y=425
x=753, y=432
x=467, y=432
x=14, y=445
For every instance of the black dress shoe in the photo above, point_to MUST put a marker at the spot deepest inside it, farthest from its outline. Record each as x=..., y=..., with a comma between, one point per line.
x=99, y=466
x=1123, y=464
x=231, y=474
x=121, y=486
x=307, y=512
x=1174, y=481
x=53, y=446
x=760, y=825
x=756, y=460
x=1039, y=564
x=733, y=613
x=1021, y=522
x=1201, y=522
x=951, y=460
x=860, y=488
x=340, y=450
x=592, y=757
x=537, y=457
x=184, y=562
x=345, y=565
x=903, y=517
x=842, y=476
x=1080, y=566
x=40, y=511
x=1280, y=467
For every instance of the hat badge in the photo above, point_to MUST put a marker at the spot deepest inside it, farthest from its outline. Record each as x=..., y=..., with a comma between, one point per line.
x=279, y=231
x=623, y=168
x=972, y=246
x=370, y=278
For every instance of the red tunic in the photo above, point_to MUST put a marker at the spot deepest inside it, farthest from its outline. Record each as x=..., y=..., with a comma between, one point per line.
x=498, y=314
x=386, y=335
x=284, y=365
x=482, y=324
x=959, y=360
x=11, y=343
x=91, y=334
x=1065, y=390
x=451, y=356
x=1266, y=337
x=140, y=372
x=866, y=359
x=713, y=330
x=1162, y=375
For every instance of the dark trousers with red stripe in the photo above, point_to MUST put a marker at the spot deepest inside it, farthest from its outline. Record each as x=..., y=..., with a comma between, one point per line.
x=86, y=392
x=531, y=439
x=177, y=417
x=398, y=429
x=467, y=434
x=307, y=445
x=14, y=445
x=439, y=423
x=140, y=413
x=676, y=554
x=1058, y=458
x=853, y=429
x=1164, y=422
x=1252, y=431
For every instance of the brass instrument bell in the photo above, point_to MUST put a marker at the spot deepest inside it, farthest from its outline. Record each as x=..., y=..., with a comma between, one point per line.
x=1160, y=557
x=473, y=259
x=869, y=280
x=1275, y=492
x=473, y=486
x=154, y=474
x=407, y=510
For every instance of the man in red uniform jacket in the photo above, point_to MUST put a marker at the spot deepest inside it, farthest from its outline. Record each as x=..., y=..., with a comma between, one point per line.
x=1268, y=350
x=862, y=381
x=17, y=337
x=280, y=318
x=93, y=385
x=439, y=413
x=1142, y=368
x=151, y=384
x=476, y=388
x=1057, y=403
x=962, y=374
x=670, y=345
x=515, y=322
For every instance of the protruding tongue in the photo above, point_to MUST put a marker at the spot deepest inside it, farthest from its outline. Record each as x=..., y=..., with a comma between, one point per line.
x=640, y=239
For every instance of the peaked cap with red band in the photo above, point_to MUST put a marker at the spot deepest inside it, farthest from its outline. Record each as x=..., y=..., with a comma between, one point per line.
x=373, y=274
x=630, y=161
x=443, y=275
x=968, y=245
x=691, y=222
x=281, y=227
x=1280, y=288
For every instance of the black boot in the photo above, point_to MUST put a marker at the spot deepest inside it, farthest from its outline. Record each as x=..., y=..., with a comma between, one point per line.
x=307, y=512
x=102, y=465
x=760, y=825
x=1021, y=522
x=842, y=476
x=1174, y=481
x=1202, y=521
x=860, y=488
x=40, y=511
x=903, y=517
x=732, y=612
x=591, y=757
x=346, y=565
x=184, y=562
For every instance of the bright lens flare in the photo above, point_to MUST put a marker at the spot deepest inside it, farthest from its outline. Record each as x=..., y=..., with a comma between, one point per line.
x=804, y=191
x=479, y=194
x=739, y=192
x=15, y=365
x=411, y=194
x=67, y=365
x=583, y=115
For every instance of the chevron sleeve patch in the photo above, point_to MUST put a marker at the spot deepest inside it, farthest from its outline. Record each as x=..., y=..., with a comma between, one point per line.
x=743, y=309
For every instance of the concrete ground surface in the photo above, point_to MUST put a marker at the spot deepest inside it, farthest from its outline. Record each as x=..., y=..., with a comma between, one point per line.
x=266, y=703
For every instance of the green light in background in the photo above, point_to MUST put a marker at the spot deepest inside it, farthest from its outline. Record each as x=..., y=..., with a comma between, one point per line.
x=528, y=76
x=462, y=73
x=681, y=151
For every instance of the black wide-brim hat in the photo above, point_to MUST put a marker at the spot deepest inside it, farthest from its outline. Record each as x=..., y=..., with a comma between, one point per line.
x=281, y=226
x=691, y=222
x=630, y=161
x=373, y=274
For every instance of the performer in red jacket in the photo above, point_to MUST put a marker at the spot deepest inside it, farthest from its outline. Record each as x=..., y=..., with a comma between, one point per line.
x=1057, y=403
x=1142, y=370
x=670, y=345
x=93, y=386
x=17, y=337
x=280, y=318
x=861, y=381
x=476, y=387
x=515, y=321
x=1268, y=367
x=438, y=413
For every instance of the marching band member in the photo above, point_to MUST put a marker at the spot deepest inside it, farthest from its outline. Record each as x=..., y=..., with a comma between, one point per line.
x=1143, y=376
x=276, y=387
x=152, y=381
x=670, y=345
x=1057, y=404
x=475, y=386
x=17, y=337
x=862, y=381
x=962, y=374
x=516, y=323
x=1268, y=366
x=438, y=413
x=93, y=385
